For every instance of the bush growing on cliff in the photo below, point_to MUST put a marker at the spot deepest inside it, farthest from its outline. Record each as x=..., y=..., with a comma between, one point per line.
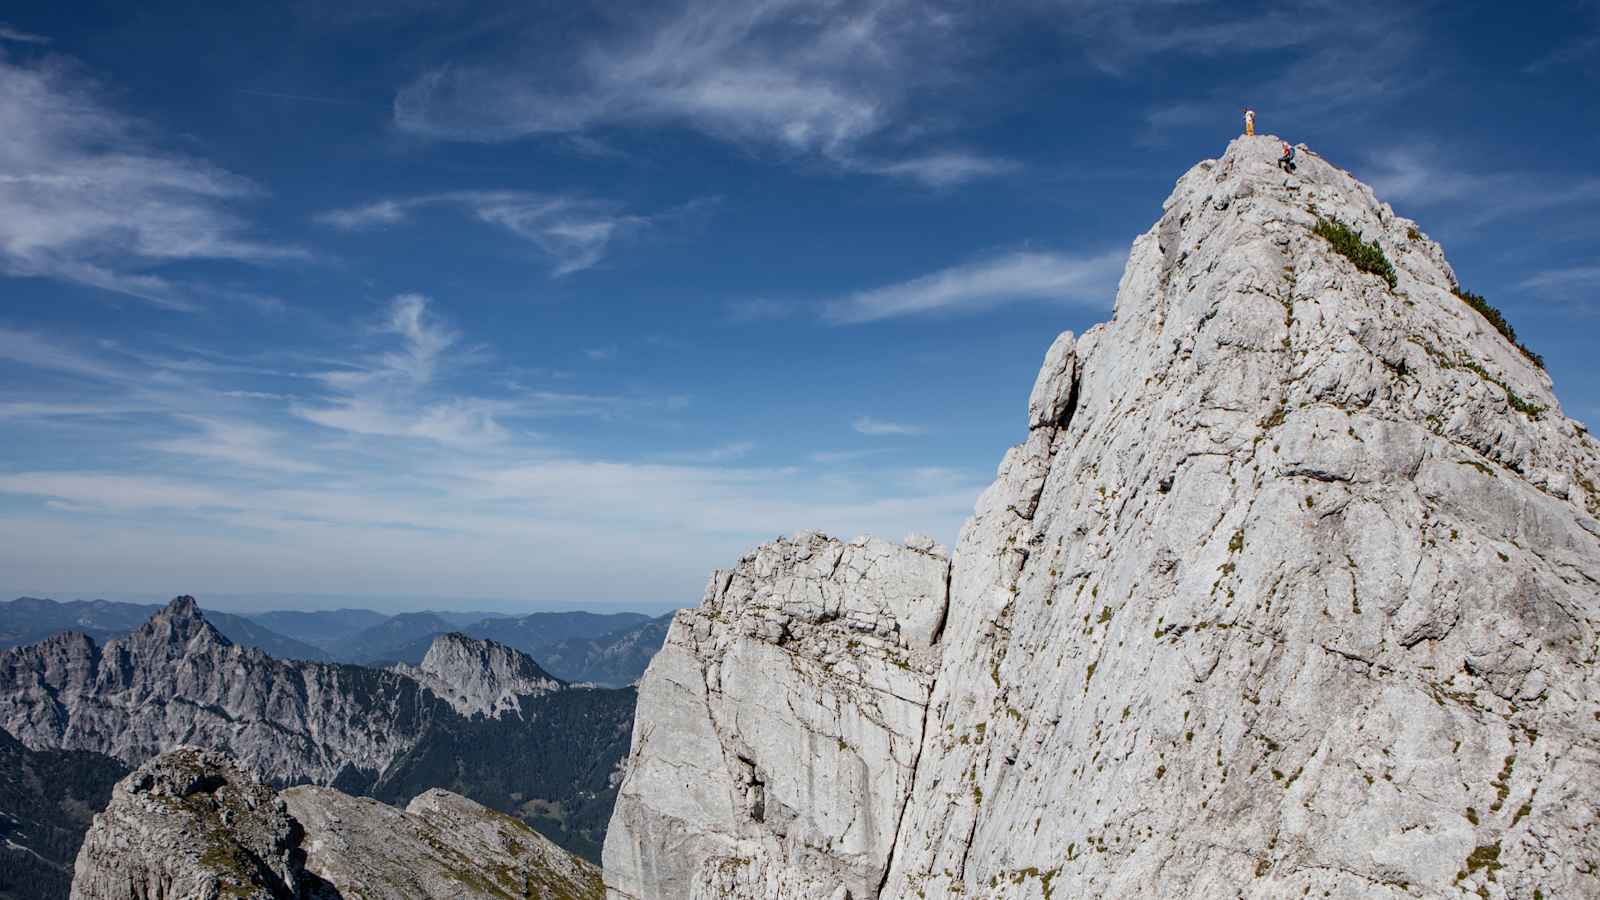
x=1366, y=257
x=1477, y=302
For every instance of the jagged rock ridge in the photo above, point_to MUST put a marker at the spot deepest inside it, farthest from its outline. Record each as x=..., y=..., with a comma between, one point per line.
x=192, y=824
x=1292, y=590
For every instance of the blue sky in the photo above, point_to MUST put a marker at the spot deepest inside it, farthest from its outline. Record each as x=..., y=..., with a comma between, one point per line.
x=566, y=304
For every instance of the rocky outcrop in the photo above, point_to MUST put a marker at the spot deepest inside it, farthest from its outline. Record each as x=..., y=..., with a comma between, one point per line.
x=442, y=846
x=1293, y=589
x=479, y=677
x=190, y=824
x=781, y=725
x=176, y=681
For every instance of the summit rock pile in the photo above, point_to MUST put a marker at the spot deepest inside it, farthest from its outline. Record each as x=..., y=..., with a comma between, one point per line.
x=1292, y=589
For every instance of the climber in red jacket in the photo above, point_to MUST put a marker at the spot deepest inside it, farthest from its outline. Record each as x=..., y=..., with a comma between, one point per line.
x=1286, y=161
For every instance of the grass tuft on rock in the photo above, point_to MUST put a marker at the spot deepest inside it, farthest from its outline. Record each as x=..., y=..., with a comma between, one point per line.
x=1366, y=257
x=1477, y=302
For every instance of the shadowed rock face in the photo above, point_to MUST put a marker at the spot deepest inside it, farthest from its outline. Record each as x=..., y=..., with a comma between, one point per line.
x=1293, y=589
x=192, y=825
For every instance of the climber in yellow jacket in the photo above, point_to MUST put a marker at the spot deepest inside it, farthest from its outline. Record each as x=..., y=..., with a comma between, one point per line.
x=1249, y=121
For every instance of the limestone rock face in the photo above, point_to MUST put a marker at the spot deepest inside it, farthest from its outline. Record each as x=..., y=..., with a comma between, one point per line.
x=778, y=727
x=442, y=846
x=479, y=677
x=190, y=825
x=1292, y=589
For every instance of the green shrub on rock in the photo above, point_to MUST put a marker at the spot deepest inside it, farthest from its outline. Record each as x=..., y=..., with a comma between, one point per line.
x=1366, y=257
x=1477, y=302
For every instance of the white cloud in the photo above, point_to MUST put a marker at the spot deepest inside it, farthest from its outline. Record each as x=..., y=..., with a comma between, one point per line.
x=821, y=77
x=881, y=428
x=1027, y=275
x=85, y=196
x=42, y=410
x=388, y=394
x=1575, y=276
x=242, y=444
x=724, y=453
x=1422, y=177
x=833, y=457
x=943, y=169
x=7, y=33
x=759, y=309
x=112, y=491
x=36, y=351
x=601, y=354
x=574, y=232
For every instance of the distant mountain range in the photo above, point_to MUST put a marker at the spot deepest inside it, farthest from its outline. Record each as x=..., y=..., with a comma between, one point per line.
x=476, y=717
x=607, y=649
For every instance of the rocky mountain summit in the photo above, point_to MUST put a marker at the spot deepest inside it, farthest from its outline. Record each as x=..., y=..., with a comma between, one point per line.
x=192, y=824
x=479, y=677
x=176, y=681
x=1292, y=589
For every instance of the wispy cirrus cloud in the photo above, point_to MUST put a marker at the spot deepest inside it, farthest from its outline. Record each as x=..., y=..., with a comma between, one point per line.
x=40, y=352
x=87, y=196
x=112, y=491
x=390, y=394
x=1423, y=177
x=884, y=428
x=1010, y=278
x=237, y=443
x=814, y=77
x=16, y=35
x=938, y=170
x=574, y=232
x=758, y=309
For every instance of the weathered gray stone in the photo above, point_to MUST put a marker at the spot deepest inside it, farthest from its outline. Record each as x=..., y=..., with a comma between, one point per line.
x=443, y=846
x=778, y=728
x=1293, y=589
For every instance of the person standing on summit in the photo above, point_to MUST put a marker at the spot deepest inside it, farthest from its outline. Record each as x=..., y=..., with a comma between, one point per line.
x=1249, y=121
